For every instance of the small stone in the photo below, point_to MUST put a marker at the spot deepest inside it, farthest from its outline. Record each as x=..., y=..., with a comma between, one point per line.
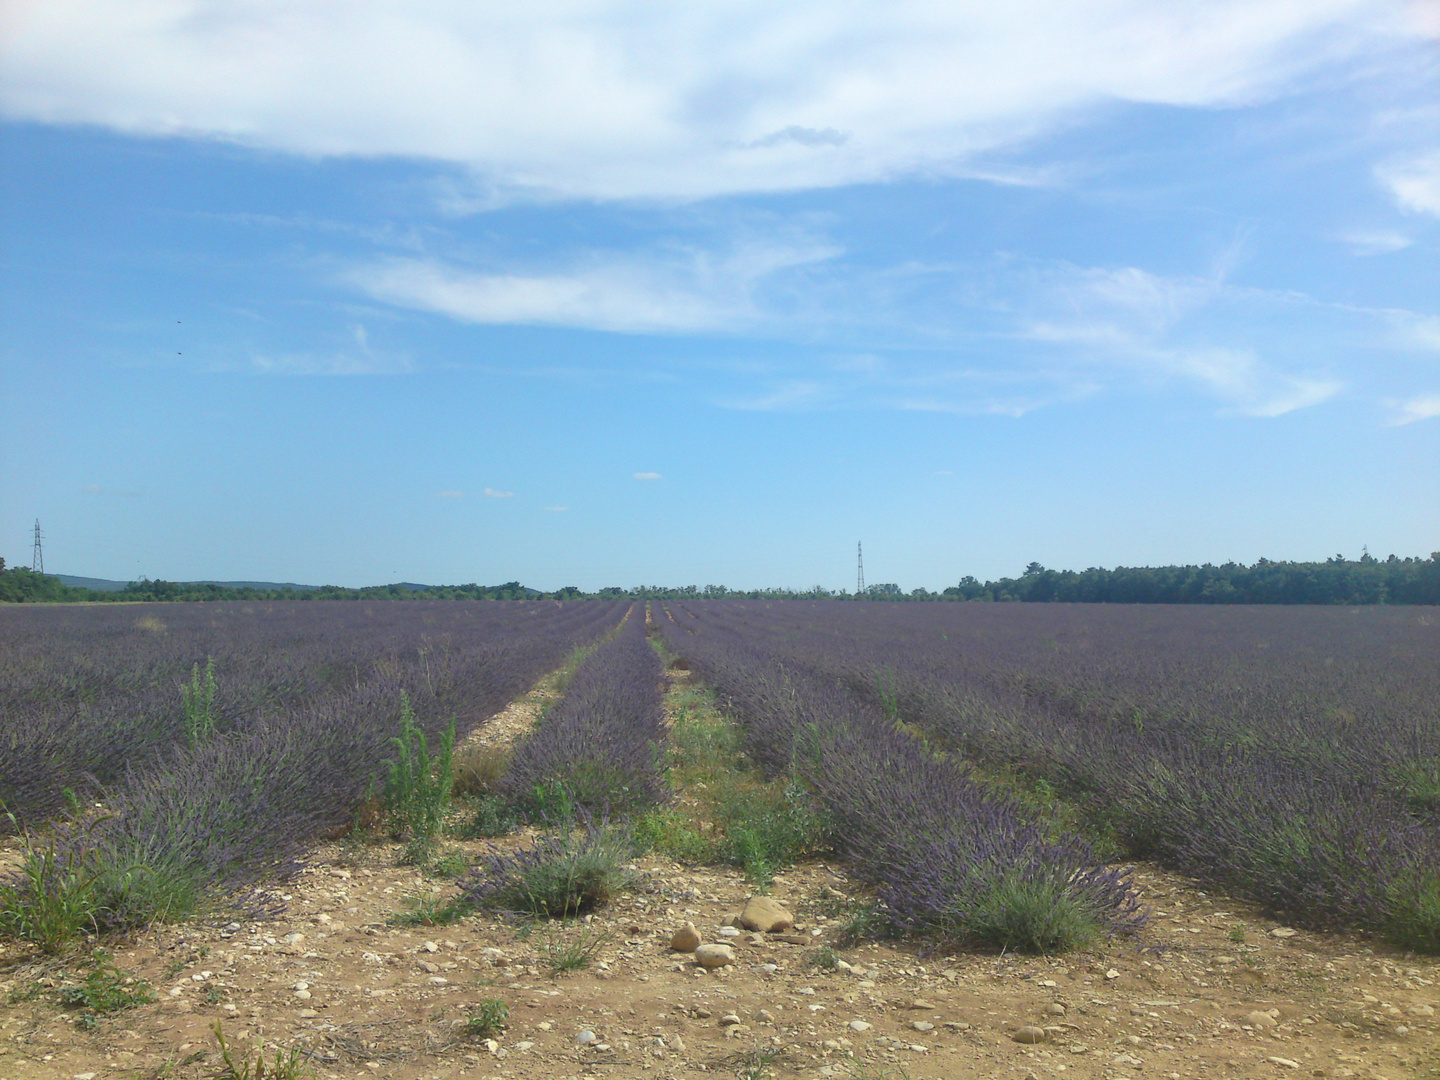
x=438, y=980
x=1283, y=932
x=303, y=995
x=1284, y=1061
x=1401, y=1030
x=430, y=946
x=1420, y=1010
x=923, y=1025
x=729, y=1020
x=714, y=956
x=293, y=938
x=1054, y=1009
x=765, y=1016
x=686, y=939
x=587, y=1037
x=1028, y=1034
x=307, y=1014
x=767, y=915
x=1112, y=974
x=1256, y=1018
x=921, y=1004
x=728, y=932
x=524, y=1046
x=860, y=1025
x=426, y=965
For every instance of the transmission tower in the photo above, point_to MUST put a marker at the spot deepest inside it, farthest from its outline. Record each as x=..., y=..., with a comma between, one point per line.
x=859, y=565
x=37, y=560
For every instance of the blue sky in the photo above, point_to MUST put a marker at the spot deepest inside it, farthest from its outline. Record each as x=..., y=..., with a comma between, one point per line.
x=608, y=293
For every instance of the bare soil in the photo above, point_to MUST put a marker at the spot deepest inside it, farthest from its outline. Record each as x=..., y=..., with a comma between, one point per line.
x=1211, y=989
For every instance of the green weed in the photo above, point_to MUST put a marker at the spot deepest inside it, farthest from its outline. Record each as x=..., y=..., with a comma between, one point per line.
x=430, y=910
x=199, y=699
x=417, y=790
x=571, y=952
x=104, y=990
x=672, y=833
x=285, y=1066
x=489, y=1019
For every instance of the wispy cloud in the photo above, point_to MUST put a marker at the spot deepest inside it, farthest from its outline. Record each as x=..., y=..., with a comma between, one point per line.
x=491, y=493
x=1376, y=242
x=648, y=476
x=627, y=99
x=1414, y=182
x=1142, y=322
x=1425, y=407
x=450, y=494
x=100, y=489
x=359, y=359
x=660, y=291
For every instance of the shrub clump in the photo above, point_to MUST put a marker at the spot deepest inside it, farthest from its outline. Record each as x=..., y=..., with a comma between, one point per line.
x=569, y=872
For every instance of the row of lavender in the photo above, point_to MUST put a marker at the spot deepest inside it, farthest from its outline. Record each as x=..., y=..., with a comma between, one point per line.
x=94, y=692
x=323, y=684
x=603, y=744
x=1290, y=755
x=945, y=855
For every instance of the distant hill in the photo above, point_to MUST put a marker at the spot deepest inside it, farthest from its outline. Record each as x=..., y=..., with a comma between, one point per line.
x=105, y=585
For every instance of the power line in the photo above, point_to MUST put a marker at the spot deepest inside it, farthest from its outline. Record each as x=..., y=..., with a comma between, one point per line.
x=37, y=560
x=859, y=568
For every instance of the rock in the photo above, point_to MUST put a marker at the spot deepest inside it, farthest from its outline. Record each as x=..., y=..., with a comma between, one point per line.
x=765, y=1016
x=1256, y=1018
x=686, y=939
x=1028, y=1034
x=859, y=1025
x=1054, y=1009
x=766, y=915
x=1420, y=1010
x=728, y=932
x=586, y=1037
x=1112, y=974
x=921, y=1004
x=1284, y=1061
x=922, y=1025
x=1283, y=932
x=729, y=1020
x=714, y=956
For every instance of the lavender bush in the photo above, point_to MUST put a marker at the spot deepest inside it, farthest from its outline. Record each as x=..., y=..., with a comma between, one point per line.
x=601, y=745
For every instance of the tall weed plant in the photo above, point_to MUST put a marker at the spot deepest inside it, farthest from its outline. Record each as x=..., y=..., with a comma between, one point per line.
x=199, y=699
x=417, y=789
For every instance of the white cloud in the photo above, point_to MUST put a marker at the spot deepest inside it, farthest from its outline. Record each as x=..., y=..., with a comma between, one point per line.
x=1425, y=407
x=1414, y=183
x=675, y=290
x=648, y=476
x=1137, y=321
x=331, y=364
x=1376, y=242
x=594, y=99
x=491, y=493
x=450, y=494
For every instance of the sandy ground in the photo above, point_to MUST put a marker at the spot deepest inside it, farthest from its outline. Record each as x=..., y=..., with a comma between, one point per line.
x=1211, y=989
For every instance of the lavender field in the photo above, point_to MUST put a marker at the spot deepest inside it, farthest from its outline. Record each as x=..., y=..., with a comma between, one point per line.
x=987, y=769
x=204, y=796
x=1288, y=755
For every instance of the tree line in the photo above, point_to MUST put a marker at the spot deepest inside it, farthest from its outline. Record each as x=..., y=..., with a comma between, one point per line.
x=1338, y=580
